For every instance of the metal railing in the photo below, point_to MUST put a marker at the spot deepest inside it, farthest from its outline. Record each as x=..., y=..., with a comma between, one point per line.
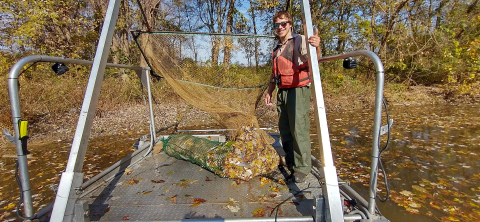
x=13, y=89
x=143, y=73
x=377, y=116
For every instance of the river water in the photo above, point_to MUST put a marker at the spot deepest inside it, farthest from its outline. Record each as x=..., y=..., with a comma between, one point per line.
x=431, y=162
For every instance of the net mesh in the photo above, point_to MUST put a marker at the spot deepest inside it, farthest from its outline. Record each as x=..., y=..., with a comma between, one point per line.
x=225, y=76
x=209, y=154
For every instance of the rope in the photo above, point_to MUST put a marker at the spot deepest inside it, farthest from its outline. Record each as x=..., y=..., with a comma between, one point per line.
x=204, y=33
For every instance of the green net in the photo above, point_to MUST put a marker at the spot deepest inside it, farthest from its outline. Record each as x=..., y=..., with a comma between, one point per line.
x=249, y=155
x=225, y=76
x=206, y=153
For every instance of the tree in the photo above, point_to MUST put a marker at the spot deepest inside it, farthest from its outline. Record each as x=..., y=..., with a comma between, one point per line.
x=52, y=27
x=229, y=29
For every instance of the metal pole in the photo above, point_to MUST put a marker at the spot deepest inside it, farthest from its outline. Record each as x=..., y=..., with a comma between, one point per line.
x=331, y=190
x=152, y=116
x=22, y=158
x=375, y=145
x=72, y=178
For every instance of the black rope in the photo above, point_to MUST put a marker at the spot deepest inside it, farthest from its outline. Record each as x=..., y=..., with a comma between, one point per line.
x=278, y=205
x=203, y=33
x=381, y=152
x=135, y=35
x=27, y=68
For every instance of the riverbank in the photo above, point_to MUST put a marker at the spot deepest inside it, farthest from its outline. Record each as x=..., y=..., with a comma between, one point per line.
x=133, y=118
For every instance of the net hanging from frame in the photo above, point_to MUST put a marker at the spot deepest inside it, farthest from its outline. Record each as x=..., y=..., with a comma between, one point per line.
x=225, y=76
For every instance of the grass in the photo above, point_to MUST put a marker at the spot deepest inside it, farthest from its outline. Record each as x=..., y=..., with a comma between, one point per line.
x=46, y=97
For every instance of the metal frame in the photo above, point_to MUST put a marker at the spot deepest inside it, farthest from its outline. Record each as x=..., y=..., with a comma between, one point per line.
x=71, y=179
x=13, y=90
x=143, y=75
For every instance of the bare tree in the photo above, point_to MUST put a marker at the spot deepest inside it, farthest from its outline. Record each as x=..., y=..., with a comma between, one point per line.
x=228, y=40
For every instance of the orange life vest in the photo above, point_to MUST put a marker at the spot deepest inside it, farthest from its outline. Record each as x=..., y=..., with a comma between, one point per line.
x=285, y=72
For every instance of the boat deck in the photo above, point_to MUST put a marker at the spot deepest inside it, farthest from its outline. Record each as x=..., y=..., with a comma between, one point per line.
x=160, y=187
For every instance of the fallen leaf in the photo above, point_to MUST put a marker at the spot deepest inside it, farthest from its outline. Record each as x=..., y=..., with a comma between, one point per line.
x=299, y=197
x=412, y=210
x=414, y=205
x=406, y=193
x=273, y=188
x=273, y=195
x=9, y=207
x=173, y=199
x=232, y=201
x=158, y=181
x=419, y=188
x=198, y=201
x=262, y=198
x=131, y=182
x=259, y=212
x=450, y=218
x=264, y=181
x=125, y=218
x=182, y=184
x=208, y=179
x=107, y=209
x=269, y=209
x=233, y=209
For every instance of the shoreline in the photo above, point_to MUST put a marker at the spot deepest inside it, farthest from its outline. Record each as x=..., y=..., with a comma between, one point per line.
x=133, y=119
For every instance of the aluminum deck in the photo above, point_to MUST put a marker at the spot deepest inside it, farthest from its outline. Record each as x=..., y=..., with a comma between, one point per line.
x=160, y=187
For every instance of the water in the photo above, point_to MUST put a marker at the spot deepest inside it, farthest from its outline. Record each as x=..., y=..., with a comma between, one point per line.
x=431, y=162
x=46, y=168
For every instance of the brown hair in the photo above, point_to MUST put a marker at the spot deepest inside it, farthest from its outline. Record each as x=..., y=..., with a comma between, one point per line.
x=282, y=14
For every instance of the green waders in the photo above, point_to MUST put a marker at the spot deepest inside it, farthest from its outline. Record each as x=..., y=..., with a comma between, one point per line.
x=293, y=106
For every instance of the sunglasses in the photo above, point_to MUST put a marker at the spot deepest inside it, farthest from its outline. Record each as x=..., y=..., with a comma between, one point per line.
x=277, y=25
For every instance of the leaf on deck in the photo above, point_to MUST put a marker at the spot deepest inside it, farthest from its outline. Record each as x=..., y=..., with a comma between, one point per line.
x=132, y=182
x=198, y=201
x=173, y=199
x=259, y=212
